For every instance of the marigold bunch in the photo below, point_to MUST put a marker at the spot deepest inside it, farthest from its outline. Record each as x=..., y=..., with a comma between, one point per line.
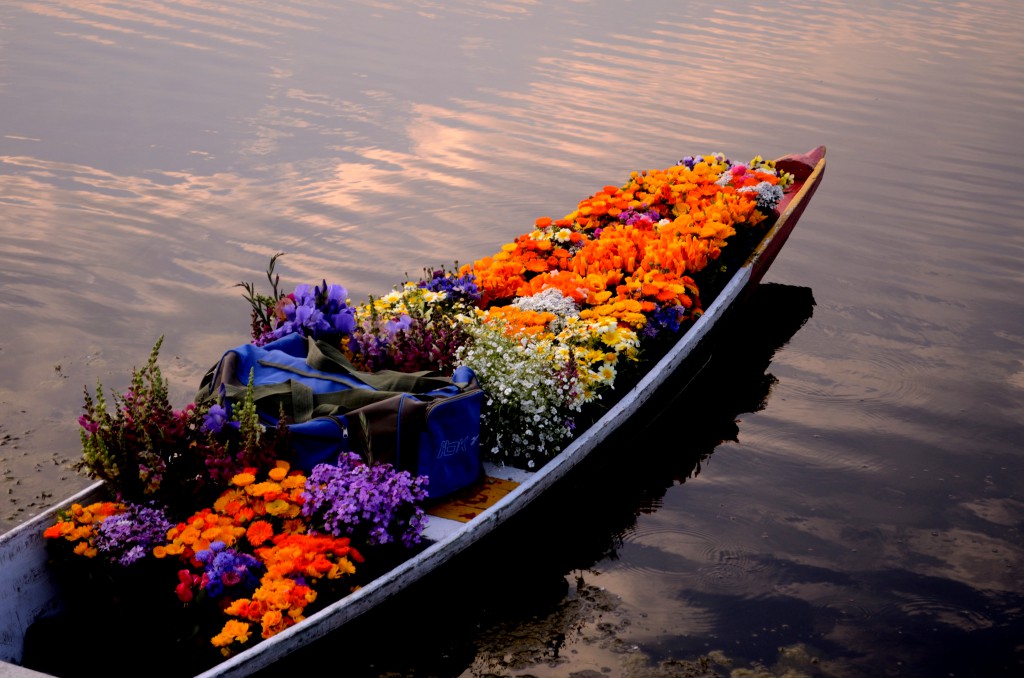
x=252, y=549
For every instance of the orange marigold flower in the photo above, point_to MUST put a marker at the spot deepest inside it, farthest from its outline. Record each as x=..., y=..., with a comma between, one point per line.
x=83, y=548
x=233, y=631
x=243, y=479
x=259, y=532
x=54, y=531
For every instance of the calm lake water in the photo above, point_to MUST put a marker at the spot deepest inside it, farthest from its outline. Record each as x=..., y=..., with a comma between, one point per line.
x=858, y=507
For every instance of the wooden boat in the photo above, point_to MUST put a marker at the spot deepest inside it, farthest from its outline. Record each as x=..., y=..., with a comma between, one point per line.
x=29, y=591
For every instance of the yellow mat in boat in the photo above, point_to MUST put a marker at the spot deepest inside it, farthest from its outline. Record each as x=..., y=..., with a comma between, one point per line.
x=467, y=504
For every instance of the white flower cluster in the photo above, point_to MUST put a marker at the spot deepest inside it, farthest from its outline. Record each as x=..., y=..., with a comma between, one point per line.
x=530, y=392
x=550, y=300
x=768, y=195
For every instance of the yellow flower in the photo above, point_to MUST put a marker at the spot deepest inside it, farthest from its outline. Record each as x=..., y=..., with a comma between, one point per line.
x=273, y=623
x=228, y=496
x=293, y=482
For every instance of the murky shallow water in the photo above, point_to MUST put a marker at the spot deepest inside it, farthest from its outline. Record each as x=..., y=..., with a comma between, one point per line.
x=866, y=514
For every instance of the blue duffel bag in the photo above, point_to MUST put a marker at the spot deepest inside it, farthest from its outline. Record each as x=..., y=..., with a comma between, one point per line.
x=421, y=422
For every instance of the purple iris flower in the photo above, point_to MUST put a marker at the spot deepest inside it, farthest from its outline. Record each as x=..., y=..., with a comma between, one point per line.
x=345, y=321
x=308, y=316
x=301, y=295
x=214, y=419
x=336, y=297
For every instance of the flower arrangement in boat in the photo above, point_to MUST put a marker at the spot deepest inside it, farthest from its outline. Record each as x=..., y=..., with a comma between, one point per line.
x=242, y=538
x=263, y=552
x=548, y=324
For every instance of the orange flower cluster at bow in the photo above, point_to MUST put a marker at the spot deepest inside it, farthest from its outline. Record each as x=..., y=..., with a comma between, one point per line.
x=643, y=241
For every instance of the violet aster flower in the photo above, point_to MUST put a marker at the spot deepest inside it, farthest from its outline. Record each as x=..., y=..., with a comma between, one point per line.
x=458, y=288
x=127, y=537
x=377, y=502
x=664, y=318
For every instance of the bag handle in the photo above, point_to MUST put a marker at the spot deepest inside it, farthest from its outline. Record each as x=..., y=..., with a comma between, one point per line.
x=326, y=358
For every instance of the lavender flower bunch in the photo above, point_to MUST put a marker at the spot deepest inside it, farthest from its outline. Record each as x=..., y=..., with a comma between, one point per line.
x=130, y=536
x=376, y=503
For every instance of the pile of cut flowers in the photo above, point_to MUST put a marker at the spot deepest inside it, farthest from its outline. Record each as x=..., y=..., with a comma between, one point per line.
x=206, y=515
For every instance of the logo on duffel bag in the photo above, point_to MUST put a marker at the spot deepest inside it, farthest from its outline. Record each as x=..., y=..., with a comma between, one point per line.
x=451, y=448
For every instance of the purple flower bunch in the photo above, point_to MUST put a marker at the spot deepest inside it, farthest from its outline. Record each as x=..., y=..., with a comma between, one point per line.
x=130, y=536
x=459, y=288
x=225, y=568
x=375, y=503
x=692, y=160
x=664, y=318
x=632, y=216
x=407, y=344
x=318, y=312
